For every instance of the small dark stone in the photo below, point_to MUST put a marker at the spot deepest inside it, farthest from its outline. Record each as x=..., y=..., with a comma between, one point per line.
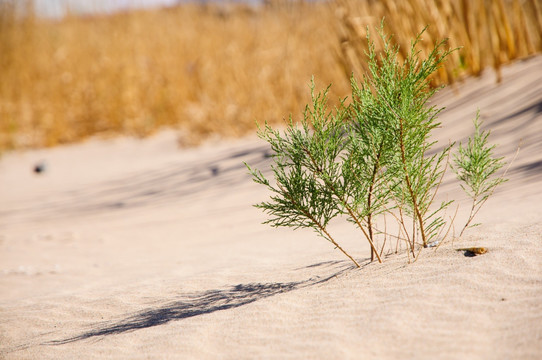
x=40, y=168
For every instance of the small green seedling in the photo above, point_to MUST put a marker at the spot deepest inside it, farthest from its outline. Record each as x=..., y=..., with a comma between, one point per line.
x=475, y=167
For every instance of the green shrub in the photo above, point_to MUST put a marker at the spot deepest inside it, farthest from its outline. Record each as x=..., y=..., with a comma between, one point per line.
x=370, y=158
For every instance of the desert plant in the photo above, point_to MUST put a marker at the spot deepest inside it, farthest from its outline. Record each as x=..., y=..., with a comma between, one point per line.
x=389, y=138
x=402, y=91
x=475, y=167
x=306, y=170
x=372, y=157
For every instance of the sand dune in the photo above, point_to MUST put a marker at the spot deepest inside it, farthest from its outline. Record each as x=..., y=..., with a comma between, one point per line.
x=131, y=248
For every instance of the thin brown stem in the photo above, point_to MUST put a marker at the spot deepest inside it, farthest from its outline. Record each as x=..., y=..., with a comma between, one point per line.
x=335, y=243
x=452, y=221
x=418, y=254
x=409, y=185
x=442, y=175
x=370, y=229
x=402, y=228
x=470, y=218
x=355, y=218
x=370, y=195
x=385, y=235
x=344, y=203
x=318, y=224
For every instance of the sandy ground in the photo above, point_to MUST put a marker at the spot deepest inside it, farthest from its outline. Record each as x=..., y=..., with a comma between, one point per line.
x=138, y=249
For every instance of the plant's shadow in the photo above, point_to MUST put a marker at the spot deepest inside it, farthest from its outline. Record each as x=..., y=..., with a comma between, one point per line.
x=178, y=182
x=200, y=303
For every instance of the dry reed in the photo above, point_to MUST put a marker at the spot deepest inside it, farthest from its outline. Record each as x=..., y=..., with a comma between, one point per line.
x=215, y=69
x=489, y=32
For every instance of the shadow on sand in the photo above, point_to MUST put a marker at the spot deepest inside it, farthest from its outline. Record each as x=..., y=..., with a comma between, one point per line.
x=177, y=182
x=202, y=303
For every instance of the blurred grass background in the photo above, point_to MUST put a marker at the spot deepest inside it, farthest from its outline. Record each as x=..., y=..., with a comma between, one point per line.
x=214, y=69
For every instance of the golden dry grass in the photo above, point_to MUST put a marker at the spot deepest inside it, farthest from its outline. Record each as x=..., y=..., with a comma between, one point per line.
x=489, y=32
x=216, y=69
